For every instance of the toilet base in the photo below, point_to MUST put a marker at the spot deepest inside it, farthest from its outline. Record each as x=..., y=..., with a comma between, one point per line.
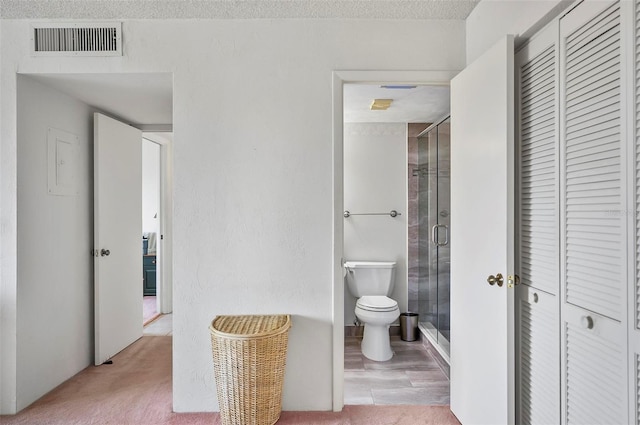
x=376, y=344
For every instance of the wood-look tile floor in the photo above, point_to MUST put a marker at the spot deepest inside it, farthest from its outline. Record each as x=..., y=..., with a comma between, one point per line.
x=412, y=376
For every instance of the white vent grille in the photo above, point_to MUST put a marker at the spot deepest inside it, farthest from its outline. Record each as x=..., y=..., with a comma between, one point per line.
x=539, y=196
x=81, y=39
x=593, y=160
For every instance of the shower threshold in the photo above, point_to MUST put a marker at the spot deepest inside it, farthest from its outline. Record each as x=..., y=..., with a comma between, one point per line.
x=431, y=333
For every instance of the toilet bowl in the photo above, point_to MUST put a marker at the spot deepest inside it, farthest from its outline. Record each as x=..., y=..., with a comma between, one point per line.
x=377, y=312
x=371, y=282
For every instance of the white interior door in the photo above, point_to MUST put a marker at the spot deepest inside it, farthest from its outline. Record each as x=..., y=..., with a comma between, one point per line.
x=482, y=318
x=118, y=233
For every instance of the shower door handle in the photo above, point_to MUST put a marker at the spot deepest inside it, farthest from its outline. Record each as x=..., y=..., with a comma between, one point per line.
x=435, y=235
x=446, y=235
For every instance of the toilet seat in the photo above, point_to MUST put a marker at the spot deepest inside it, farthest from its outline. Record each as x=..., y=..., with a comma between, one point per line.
x=376, y=303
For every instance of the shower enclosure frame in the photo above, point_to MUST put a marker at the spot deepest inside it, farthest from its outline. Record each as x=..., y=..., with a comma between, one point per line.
x=434, y=234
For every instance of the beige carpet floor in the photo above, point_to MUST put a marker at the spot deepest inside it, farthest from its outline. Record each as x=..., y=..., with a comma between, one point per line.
x=136, y=390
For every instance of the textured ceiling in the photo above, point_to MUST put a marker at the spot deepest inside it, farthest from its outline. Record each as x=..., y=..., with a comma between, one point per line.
x=236, y=9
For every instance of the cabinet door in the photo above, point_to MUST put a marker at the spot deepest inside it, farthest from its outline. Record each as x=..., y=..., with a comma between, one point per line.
x=149, y=272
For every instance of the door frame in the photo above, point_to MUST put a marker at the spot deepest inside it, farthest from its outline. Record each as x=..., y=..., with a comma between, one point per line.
x=340, y=78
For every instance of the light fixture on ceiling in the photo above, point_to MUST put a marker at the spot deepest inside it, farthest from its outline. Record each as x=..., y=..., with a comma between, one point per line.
x=398, y=87
x=380, y=104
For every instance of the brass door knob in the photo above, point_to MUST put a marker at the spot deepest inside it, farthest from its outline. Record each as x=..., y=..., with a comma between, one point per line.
x=497, y=279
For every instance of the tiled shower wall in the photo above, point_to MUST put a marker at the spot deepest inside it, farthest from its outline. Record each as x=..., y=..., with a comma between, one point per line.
x=412, y=214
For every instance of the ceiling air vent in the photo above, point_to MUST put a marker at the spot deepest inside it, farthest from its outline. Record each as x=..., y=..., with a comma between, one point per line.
x=77, y=39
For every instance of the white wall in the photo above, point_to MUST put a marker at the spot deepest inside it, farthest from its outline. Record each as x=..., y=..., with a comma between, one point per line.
x=150, y=187
x=492, y=19
x=8, y=252
x=253, y=168
x=375, y=180
x=55, y=234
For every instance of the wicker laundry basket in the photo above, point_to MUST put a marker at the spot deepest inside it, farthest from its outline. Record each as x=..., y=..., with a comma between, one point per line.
x=249, y=355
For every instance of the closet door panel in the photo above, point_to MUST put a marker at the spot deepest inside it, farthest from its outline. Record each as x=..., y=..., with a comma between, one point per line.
x=637, y=167
x=636, y=384
x=596, y=382
x=537, y=305
x=536, y=79
x=593, y=178
x=538, y=357
x=634, y=323
x=593, y=229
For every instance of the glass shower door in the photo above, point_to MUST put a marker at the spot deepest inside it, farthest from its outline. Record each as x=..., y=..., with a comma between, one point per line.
x=434, y=234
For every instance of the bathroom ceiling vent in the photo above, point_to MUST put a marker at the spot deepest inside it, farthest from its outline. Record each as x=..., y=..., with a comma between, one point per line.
x=76, y=39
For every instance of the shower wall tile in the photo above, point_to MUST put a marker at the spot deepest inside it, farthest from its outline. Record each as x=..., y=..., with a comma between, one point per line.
x=413, y=263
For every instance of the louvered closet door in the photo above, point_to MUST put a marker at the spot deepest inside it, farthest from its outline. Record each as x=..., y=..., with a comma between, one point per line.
x=635, y=295
x=595, y=368
x=538, y=397
x=537, y=306
x=538, y=165
x=593, y=229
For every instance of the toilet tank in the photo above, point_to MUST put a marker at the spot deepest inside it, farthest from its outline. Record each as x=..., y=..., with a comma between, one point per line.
x=370, y=277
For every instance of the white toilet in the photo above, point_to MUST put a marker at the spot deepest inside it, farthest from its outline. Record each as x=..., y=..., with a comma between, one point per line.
x=372, y=282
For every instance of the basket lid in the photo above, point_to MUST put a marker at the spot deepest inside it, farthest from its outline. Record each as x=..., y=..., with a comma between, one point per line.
x=250, y=326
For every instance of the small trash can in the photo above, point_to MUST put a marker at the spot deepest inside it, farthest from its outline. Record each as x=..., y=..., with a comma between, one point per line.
x=409, y=326
x=249, y=355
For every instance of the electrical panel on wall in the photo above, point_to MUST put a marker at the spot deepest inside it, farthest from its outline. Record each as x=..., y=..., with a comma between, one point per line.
x=61, y=162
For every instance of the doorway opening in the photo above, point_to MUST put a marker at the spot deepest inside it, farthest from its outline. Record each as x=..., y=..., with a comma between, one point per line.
x=381, y=150
x=157, y=301
x=55, y=174
x=151, y=216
